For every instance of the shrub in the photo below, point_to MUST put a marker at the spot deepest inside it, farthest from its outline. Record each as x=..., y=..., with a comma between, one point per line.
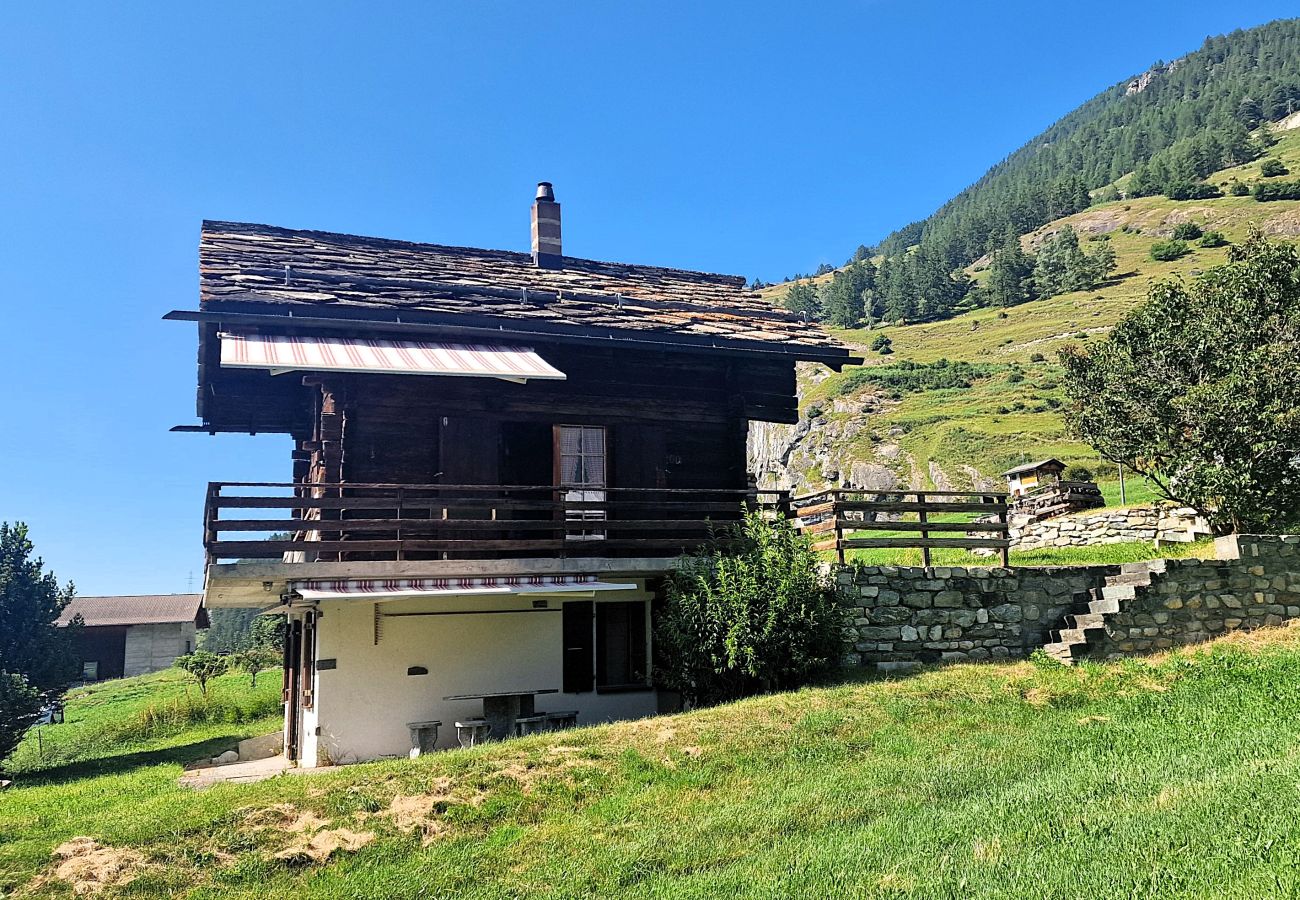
x=752, y=613
x=1037, y=357
x=915, y=377
x=1014, y=377
x=880, y=342
x=1213, y=239
x=1192, y=190
x=1187, y=231
x=1239, y=188
x=814, y=412
x=1166, y=251
x=1078, y=473
x=1272, y=168
x=1266, y=192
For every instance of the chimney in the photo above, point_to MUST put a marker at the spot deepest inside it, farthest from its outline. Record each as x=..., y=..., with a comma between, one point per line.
x=546, y=229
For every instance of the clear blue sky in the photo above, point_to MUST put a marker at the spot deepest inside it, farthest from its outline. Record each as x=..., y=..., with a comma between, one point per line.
x=755, y=138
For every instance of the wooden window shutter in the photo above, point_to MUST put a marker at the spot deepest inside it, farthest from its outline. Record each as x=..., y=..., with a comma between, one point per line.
x=579, y=654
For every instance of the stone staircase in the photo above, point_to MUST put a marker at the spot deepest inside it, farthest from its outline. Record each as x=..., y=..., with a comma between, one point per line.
x=1085, y=624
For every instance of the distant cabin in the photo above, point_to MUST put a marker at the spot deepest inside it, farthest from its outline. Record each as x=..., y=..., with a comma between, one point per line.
x=134, y=635
x=1030, y=477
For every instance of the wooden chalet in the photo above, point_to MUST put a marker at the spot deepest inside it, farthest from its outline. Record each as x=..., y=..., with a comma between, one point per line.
x=474, y=431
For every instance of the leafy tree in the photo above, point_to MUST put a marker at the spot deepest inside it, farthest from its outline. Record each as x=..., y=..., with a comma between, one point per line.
x=253, y=661
x=1272, y=168
x=1198, y=389
x=1187, y=231
x=1167, y=251
x=753, y=613
x=203, y=666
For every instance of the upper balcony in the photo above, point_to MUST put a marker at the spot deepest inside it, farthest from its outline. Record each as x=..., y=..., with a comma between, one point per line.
x=302, y=523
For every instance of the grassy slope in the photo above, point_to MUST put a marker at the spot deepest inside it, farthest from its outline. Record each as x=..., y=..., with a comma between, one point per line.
x=955, y=427
x=1166, y=779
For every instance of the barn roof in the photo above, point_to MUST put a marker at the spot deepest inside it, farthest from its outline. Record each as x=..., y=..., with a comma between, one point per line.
x=144, y=609
x=1034, y=466
x=266, y=269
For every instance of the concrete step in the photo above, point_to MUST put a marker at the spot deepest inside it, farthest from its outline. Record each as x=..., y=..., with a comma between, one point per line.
x=1142, y=578
x=1088, y=620
x=1152, y=565
x=1104, y=606
x=1119, y=592
x=1065, y=652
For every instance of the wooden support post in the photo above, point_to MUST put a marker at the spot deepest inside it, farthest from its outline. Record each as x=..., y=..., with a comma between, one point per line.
x=839, y=526
x=1006, y=536
x=925, y=550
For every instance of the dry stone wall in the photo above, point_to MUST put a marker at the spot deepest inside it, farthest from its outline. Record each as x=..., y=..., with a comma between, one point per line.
x=1186, y=601
x=902, y=617
x=1137, y=523
x=899, y=618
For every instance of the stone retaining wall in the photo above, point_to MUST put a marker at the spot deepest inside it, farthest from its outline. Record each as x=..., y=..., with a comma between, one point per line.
x=1138, y=523
x=1191, y=600
x=902, y=617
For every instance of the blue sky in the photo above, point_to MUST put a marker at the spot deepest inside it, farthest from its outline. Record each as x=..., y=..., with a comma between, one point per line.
x=758, y=139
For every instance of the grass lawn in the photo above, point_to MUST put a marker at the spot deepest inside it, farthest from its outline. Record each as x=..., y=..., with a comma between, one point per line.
x=1096, y=555
x=1176, y=777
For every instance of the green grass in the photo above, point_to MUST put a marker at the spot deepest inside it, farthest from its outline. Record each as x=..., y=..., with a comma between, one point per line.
x=1097, y=555
x=1177, y=777
x=139, y=715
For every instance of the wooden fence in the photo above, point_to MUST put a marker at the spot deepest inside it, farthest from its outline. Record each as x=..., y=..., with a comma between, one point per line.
x=828, y=515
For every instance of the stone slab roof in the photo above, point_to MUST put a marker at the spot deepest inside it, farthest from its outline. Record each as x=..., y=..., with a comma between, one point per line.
x=250, y=266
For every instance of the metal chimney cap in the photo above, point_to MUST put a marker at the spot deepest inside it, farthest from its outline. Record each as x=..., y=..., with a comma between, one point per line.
x=545, y=191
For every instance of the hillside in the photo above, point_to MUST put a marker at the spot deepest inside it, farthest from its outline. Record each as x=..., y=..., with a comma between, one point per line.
x=877, y=436
x=1014, y=780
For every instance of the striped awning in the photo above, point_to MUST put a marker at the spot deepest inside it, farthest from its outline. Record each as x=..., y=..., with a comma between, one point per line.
x=379, y=588
x=282, y=353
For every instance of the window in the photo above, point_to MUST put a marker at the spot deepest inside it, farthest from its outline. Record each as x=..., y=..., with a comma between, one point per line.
x=605, y=646
x=621, y=645
x=90, y=670
x=580, y=467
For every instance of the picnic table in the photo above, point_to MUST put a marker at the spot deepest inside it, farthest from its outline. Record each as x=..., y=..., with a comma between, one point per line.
x=502, y=708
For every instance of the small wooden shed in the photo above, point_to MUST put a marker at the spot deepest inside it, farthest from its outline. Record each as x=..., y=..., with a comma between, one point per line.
x=134, y=635
x=1031, y=476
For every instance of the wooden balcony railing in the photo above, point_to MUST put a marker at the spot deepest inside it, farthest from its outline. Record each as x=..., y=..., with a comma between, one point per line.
x=357, y=522
x=961, y=519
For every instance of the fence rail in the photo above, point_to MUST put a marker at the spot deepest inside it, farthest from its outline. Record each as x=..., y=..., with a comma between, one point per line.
x=832, y=517
x=294, y=522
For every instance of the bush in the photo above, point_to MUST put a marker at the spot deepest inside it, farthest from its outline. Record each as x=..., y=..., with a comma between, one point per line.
x=1187, y=231
x=1239, y=188
x=1192, y=190
x=880, y=343
x=915, y=377
x=1037, y=357
x=1276, y=190
x=752, y=613
x=1166, y=251
x=1014, y=377
x=1078, y=473
x=1272, y=168
x=1213, y=239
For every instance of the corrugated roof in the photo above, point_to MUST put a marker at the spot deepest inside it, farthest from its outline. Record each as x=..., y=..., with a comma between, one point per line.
x=143, y=609
x=244, y=264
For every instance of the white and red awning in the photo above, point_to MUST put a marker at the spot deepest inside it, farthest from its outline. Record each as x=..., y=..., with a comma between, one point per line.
x=393, y=588
x=321, y=353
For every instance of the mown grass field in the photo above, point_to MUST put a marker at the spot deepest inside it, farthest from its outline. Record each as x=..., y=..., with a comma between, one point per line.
x=998, y=422
x=1174, y=777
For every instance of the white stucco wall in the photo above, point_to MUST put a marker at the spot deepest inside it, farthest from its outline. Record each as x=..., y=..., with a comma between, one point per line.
x=363, y=705
x=153, y=647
